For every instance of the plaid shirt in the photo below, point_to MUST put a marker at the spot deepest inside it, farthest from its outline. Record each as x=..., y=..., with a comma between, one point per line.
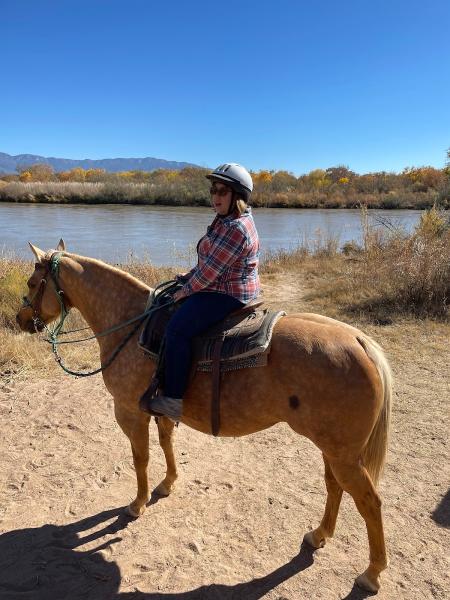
x=228, y=257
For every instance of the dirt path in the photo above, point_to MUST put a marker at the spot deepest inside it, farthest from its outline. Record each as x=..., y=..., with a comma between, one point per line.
x=233, y=527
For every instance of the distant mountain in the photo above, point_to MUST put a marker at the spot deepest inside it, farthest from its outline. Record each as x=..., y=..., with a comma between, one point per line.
x=9, y=164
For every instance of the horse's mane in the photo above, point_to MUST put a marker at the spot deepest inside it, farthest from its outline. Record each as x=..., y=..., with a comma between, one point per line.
x=104, y=266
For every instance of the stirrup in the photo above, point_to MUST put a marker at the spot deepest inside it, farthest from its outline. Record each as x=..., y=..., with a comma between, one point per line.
x=164, y=406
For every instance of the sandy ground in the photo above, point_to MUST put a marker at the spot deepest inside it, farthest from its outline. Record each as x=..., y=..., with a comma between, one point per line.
x=233, y=527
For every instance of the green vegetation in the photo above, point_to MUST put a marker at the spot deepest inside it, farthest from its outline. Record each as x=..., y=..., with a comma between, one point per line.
x=336, y=187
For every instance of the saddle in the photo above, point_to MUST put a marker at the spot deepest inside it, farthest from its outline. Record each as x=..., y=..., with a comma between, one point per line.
x=241, y=340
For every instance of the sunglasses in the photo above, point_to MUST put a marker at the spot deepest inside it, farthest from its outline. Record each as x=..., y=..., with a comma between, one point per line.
x=216, y=191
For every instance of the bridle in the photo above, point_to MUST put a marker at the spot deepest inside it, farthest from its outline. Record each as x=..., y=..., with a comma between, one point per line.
x=51, y=266
x=52, y=271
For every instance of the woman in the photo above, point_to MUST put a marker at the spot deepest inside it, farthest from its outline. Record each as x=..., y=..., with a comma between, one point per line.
x=224, y=279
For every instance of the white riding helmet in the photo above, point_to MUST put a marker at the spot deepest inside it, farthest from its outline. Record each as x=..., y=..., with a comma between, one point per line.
x=235, y=176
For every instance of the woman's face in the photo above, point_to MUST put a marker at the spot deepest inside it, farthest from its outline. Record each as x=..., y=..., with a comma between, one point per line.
x=221, y=197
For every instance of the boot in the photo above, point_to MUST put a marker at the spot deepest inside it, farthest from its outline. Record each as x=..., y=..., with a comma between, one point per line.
x=159, y=406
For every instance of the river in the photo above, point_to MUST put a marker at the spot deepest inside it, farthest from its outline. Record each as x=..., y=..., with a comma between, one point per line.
x=168, y=235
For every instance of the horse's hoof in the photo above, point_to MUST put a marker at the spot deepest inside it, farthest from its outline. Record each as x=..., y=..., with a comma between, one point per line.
x=313, y=540
x=368, y=583
x=163, y=489
x=134, y=511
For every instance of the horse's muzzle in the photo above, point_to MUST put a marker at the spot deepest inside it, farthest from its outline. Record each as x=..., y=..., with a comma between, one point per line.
x=28, y=325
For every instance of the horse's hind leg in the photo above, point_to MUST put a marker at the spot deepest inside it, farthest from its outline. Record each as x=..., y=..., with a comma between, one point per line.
x=135, y=428
x=318, y=537
x=165, y=432
x=355, y=480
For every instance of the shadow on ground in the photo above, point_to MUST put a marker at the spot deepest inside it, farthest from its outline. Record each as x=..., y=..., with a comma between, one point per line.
x=45, y=563
x=441, y=514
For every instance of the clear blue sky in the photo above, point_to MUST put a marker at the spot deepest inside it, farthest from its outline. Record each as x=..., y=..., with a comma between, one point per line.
x=292, y=85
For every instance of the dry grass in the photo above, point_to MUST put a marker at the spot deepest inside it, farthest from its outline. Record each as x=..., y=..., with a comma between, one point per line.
x=21, y=353
x=13, y=276
x=391, y=279
x=392, y=275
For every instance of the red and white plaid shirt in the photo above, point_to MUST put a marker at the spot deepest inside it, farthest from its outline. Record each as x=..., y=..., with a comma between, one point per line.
x=228, y=258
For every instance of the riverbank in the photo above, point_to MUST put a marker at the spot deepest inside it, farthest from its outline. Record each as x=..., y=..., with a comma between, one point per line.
x=197, y=194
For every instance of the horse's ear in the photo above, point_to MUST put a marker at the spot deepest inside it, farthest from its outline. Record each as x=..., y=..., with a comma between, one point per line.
x=61, y=246
x=39, y=254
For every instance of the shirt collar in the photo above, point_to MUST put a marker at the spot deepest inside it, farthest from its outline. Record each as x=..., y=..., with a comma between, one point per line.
x=233, y=216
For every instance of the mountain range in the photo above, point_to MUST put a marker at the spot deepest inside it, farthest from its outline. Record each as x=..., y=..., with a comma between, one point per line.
x=9, y=163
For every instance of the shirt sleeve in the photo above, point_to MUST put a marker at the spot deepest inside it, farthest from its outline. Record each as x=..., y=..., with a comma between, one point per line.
x=225, y=251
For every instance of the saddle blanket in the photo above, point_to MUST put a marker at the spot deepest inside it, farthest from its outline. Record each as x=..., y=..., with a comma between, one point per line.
x=246, y=340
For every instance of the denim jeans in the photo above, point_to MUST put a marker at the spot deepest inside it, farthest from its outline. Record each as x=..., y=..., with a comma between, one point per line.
x=195, y=315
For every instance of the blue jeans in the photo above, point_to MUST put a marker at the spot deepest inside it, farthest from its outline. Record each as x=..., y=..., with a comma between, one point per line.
x=195, y=315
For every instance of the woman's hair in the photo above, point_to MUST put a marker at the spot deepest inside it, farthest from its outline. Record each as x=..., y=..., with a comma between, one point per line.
x=241, y=205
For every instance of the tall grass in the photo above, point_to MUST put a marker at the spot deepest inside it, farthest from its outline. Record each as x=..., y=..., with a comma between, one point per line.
x=406, y=273
x=185, y=191
x=392, y=273
x=114, y=192
x=13, y=276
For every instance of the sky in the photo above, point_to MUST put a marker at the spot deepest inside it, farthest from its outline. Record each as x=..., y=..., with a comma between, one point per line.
x=293, y=85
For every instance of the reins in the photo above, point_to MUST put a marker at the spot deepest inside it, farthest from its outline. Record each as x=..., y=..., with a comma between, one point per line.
x=57, y=330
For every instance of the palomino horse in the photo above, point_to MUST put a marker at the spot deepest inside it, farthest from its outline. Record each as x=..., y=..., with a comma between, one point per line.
x=327, y=380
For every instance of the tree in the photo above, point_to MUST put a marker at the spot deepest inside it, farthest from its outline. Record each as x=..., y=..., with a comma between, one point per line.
x=317, y=179
x=36, y=172
x=283, y=181
x=26, y=177
x=263, y=177
x=335, y=174
x=424, y=178
x=95, y=175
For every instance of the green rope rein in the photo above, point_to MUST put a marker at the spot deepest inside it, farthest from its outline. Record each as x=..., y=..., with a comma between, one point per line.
x=57, y=330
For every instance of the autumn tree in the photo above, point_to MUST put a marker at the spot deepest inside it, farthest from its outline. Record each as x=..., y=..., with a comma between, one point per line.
x=75, y=174
x=95, y=175
x=424, y=178
x=283, y=181
x=261, y=181
x=36, y=172
x=317, y=179
x=339, y=174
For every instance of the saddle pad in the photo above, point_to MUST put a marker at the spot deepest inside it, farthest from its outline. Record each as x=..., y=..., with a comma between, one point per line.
x=253, y=354
x=242, y=345
x=239, y=344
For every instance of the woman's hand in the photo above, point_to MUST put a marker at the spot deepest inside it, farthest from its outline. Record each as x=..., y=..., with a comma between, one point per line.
x=178, y=295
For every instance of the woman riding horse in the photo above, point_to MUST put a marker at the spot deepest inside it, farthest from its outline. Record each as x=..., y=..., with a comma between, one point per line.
x=224, y=279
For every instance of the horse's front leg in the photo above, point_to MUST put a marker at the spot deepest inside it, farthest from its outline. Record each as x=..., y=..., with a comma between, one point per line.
x=165, y=432
x=135, y=427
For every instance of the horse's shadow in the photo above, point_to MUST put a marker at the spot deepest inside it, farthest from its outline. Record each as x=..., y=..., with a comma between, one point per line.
x=45, y=563
x=441, y=514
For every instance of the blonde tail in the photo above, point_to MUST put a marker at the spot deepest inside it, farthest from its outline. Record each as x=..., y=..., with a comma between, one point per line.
x=374, y=454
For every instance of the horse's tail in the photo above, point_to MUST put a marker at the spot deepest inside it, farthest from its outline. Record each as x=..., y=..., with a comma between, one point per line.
x=374, y=454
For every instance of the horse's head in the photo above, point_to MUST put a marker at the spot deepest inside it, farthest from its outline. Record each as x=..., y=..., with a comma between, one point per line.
x=41, y=304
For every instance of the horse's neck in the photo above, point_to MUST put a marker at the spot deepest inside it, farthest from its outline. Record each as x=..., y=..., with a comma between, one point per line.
x=105, y=296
